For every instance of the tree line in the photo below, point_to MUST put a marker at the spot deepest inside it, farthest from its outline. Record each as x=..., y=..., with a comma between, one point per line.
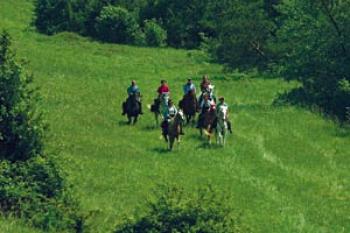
x=299, y=40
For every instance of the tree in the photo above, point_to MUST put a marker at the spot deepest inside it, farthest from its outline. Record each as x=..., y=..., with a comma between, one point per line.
x=314, y=43
x=21, y=127
x=116, y=24
x=243, y=30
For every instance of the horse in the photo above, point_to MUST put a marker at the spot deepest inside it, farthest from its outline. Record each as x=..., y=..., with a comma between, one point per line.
x=133, y=109
x=172, y=132
x=208, y=125
x=221, y=127
x=159, y=107
x=189, y=105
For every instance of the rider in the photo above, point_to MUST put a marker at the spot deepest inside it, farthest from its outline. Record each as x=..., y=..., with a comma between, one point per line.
x=222, y=106
x=205, y=105
x=169, y=114
x=189, y=86
x=206, y=88
x=133, y=90
x=205, y=83
x=163, y=89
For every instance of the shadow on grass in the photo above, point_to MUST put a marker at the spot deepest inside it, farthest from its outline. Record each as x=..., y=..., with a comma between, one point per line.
x=161, y=150
x=123, y=123
x=150, y=128
x=207, y=146
x=343, y=131
x=330, y=108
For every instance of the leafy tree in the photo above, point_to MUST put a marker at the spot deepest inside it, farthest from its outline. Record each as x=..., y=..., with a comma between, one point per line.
x=32, y=186
x=116, y=24
x=53, y=16
x=155, y=34
x=21, y=127
x=243, y=30
x=314, y=45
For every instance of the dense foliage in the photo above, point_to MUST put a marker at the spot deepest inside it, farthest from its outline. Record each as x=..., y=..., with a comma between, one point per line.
x=243, y=30
x=21, y=127
x=176, y=211
x=31, y=184
x=116, y=24
x=314, y=47
x=155, y=35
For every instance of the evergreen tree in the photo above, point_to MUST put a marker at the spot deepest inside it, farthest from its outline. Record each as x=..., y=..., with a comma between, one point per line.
x=21, y=127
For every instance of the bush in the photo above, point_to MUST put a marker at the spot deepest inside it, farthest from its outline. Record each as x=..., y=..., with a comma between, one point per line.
x=156, y=36
x=21, y=127
x=176, y=211
x=52, y=16
x=31, y=184
x=35, y=190
x=116, y=25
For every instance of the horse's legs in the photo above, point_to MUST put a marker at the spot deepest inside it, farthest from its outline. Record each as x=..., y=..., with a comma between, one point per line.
x=171, y=143
x=217, y=135
x=129, y=120
x=135, y=120
x=156, y=119
x=193, y=119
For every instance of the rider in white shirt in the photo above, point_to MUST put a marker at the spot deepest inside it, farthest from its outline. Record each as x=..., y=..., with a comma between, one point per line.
x=170, y=113
x=222, y=106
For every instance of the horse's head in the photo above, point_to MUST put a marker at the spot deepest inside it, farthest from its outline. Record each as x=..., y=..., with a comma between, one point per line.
x=180, y=116
x=191, y=93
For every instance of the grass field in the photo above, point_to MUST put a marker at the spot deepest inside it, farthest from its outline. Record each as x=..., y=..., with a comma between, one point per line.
x=286, y=168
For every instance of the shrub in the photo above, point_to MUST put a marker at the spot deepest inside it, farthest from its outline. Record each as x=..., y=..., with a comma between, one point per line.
x=155, y=34
x=116, y=25
x=21, y=127
x=31, y=184
x=175, y=211
x=35, y=190
x=52, y=16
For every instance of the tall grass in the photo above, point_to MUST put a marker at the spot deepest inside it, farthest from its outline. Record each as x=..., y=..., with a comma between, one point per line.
x=287, y=168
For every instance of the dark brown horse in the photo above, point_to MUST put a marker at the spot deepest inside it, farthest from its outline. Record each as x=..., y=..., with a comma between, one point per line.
x=208, y=124
x=189, y=105
x=133, y=109
x=173, y=130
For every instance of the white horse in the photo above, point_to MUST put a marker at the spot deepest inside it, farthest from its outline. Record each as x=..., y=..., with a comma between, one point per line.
x=221, y=126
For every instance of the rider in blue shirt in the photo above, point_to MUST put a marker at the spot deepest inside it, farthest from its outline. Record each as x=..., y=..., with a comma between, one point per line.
x=189, y=86
x=132, y=90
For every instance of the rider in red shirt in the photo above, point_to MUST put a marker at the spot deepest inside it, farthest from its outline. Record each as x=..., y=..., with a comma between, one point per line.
x=164, y=88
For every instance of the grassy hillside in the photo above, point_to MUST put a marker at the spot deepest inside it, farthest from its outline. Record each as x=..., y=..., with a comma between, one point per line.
x=287, y=168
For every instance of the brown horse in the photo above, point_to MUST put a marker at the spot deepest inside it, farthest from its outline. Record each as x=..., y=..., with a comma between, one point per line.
x=189, y=105
x=208, y=124
x=173, y=131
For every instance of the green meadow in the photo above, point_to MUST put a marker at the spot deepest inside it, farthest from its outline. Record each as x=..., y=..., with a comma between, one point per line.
x=286, y=168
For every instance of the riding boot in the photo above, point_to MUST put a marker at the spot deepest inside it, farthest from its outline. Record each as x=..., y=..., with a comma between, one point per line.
x=141, y=112
x=199, y=122
x=124, y=108
x=229, y=127
x=181, y=129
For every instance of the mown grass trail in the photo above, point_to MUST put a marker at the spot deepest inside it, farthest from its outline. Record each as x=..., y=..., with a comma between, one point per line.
x=287, y=168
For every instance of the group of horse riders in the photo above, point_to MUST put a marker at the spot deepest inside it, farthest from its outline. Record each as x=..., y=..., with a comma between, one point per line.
x=206, y=101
